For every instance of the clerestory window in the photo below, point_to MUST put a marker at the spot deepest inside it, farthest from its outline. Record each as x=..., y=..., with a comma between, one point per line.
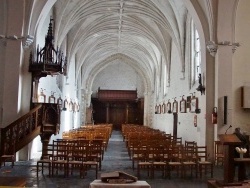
x=195, y=54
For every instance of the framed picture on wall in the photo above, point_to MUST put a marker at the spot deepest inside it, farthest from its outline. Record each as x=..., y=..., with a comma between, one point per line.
x=159, y=109
x=188, y=101
x=175, y=107
x=193, y=104
x=163, y=108
x=183, y=108
x=169, y=107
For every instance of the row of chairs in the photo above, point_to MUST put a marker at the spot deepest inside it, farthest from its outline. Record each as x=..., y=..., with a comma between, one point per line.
x=170, y=158
x=132, y=130
x=94, y=132
x=163, y=139
x=71, y=155
x=91, y=131
x=152, y=150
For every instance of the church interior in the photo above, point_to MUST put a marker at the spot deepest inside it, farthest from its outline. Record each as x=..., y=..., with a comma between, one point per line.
x=141, y=93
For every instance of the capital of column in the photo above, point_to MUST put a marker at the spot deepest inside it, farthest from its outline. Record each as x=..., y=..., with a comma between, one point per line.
x=148, y=93
x=86, y=95
x=212, y=48
x=27, y=41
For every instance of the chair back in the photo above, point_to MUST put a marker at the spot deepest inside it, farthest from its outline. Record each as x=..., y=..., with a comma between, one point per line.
x=176, y=153
x=202, y=153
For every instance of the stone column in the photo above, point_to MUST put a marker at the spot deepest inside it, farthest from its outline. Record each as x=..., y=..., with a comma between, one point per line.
x=83, y=108
x=223, y=62
x=107, y=113
x=148, y=109
x=127, y=112
x=11, y=89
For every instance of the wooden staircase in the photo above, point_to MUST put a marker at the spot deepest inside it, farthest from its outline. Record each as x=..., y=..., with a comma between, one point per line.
x=43, y=120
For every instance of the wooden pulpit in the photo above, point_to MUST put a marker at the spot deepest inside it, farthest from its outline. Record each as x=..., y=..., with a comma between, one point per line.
x=229, y=141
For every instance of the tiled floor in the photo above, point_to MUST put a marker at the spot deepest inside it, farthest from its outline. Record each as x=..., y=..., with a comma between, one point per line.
x=115, y=158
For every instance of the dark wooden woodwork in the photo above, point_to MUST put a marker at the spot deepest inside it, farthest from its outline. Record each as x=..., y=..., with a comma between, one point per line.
x=16, y=134
x=50, y=125
x=229, y=142
x=117, y=115
x=117, y=95
x=48, y=60
x=242, y=163
x=23, y=142
x=99, y=111
x=22, y=131
x=175, y=124
x=140, y=111
x=51, y=119
x=118, y=112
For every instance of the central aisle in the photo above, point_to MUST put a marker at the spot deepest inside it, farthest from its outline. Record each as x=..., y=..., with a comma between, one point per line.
x=116, y=156
x=116, y=159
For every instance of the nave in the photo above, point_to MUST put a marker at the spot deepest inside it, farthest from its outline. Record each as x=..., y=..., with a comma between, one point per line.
x=115, y=158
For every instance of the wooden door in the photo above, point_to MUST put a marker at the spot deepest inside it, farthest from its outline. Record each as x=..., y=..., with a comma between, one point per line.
x=117, y=115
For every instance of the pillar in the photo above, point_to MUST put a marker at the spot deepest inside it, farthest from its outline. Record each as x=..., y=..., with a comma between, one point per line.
x=107, y=112
x=11, y=89
x=127, y=112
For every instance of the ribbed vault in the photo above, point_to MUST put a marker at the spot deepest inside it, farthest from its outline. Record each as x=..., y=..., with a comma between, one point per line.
x=148, y=83
x=95, y=30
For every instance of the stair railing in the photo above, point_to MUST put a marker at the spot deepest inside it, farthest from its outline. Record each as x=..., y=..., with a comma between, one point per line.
x=22, y=131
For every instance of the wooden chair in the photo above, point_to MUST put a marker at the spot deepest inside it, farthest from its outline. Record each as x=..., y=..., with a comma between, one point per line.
x=190, y=144
x=75, y=158
x=132, y=145
x=9, y=154
x=189, y=159
x=142, y=155
x=89, y=160
x=218, y=153
x=97, y=152
x=103, y=138
x=175, y=160
x=135, y=154
x=191, y=148
x=45, y=160
x=204, y=165
x=159, y=160
x=59, y=157
x=176, y=141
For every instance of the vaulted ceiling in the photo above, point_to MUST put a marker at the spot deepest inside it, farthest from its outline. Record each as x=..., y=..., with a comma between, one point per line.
x=141, y=30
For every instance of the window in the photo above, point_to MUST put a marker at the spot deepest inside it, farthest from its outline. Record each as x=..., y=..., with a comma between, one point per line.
x=195, y=54
x=165, y=81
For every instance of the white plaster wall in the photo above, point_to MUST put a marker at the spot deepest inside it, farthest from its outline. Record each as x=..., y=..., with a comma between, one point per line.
x=118, y=76
x=241, y=65
x=178, y=88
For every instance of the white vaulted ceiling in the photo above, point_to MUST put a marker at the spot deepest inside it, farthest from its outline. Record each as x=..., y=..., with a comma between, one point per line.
x=139, y=30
